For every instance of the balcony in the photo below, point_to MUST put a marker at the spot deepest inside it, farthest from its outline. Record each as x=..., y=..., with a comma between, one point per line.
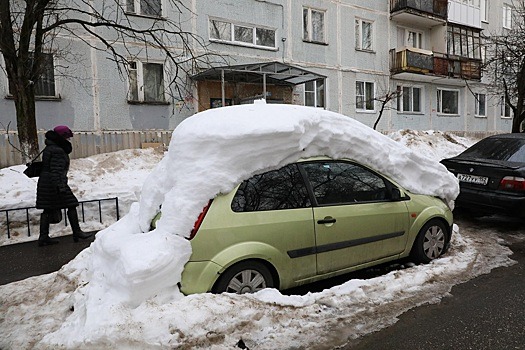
x=420, y=65
x=424, y=13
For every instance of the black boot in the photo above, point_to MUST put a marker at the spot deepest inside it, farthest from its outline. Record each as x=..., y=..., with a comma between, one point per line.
x=44, y=238
x=75, y=226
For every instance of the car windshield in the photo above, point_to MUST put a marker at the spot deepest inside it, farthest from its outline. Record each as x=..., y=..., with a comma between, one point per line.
x=511, y=150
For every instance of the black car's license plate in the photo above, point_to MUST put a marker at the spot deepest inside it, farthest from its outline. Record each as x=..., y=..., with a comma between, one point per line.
x=473, y=179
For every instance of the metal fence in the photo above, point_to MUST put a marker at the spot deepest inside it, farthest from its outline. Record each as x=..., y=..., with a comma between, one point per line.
x=28, y=212
x=87, y=143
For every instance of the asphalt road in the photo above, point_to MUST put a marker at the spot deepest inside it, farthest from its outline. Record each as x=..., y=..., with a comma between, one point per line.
x=23, y=260
x=487, y=312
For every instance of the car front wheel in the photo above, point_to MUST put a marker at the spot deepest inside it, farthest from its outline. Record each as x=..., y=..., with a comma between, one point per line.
x=244, y=277
x=430, y=242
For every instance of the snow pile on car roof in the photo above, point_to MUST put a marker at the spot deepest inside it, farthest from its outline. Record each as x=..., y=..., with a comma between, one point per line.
x=209, y=153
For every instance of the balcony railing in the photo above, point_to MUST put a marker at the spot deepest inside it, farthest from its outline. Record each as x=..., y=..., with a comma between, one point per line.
x=433, y=63
x=436, y=8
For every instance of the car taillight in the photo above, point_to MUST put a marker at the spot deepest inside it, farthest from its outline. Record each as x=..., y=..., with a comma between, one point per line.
x=512, y=183
x=199, y=220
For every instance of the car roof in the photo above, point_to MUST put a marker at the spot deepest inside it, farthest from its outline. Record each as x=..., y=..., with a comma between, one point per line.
x=508, y=136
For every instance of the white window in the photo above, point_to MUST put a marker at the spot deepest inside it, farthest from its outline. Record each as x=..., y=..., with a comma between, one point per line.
x=221, y=30
x=507, y=16
x=144, y=7
x=314, y=93
x=45, y=85
x=364, y=96
x=410, y=99
x=505, y=110
x=313, y=25
x=447, y=101
x=480, y=105
x=363, y=35
x=484, y=10
x=414, y=39
x=146, y=82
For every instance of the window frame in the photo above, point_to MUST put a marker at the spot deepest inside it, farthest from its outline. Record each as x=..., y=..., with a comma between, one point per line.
x=506, y=18
x=54, y=84
x=358, y=25
x=464, y=42
x=138, y=87
x=478, y=104
x=401, y=102
x=420, y=35
x=318, y=93
x=365, y=99
x=308, y=27
x=232, y=38
x=439, y=104
x=504, y=107
x=137, y=9
x=484, y=7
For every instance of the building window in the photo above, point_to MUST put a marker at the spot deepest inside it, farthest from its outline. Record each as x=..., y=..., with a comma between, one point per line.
x=45, y=85
x=505, y=110
x=146, y=82
x=314, y=93
x=414, y=39
x=507, y=16
x=243, y=34
x=313, y=25
x=144, y=7
x=364, y=96
x=363, y=35
x=484, y=10
x=409, y=100
x=480, y=105
x=463, y=42
x=447, y=101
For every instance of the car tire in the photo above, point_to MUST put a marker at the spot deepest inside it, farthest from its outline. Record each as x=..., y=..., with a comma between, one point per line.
x=244, y=277
x=431, y=242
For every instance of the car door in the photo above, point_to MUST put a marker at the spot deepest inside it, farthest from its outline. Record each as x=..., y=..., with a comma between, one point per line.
x=274, y=209
x=356, y=221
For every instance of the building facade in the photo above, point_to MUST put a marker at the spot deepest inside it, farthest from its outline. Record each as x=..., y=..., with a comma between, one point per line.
x=346, y=56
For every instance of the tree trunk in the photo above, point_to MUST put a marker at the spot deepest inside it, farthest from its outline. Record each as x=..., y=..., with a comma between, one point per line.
x=26, y=123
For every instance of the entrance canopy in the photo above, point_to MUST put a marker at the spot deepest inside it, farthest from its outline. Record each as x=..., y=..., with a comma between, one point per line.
x=271, y=73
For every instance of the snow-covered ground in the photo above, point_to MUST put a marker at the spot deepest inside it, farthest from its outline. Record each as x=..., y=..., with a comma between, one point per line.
x=121, y=292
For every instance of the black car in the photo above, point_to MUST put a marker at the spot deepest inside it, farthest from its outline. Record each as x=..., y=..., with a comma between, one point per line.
x=491, y=175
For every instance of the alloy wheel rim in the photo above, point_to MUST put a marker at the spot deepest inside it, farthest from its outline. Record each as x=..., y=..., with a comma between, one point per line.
x=246, y=281
x=434, y=242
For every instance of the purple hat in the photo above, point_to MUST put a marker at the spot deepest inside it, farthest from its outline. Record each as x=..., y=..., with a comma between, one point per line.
x=63, y=131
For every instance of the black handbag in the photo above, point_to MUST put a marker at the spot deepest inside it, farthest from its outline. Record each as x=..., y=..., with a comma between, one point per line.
x=34, y=167
x=55, y=216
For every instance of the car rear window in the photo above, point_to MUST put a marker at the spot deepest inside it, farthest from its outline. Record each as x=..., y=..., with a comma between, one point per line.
x=512, y=150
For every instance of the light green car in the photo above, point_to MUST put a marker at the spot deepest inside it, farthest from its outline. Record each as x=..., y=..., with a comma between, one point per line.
x=308, y=221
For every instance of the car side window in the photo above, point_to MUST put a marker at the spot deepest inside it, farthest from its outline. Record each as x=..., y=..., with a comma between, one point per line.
x=344, y=182
x=274, y=190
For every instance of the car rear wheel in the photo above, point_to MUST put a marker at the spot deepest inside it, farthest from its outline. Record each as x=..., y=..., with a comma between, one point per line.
x=244, y=277
x=430, y=242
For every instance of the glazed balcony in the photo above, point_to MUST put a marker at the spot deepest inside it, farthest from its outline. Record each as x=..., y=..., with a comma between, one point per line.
x=416, y=64
x=424, y=13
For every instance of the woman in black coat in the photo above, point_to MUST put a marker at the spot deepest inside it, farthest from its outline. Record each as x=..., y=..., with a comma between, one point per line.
x=53, y=192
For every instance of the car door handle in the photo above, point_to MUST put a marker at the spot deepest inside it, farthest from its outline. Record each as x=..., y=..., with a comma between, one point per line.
x=327, y=220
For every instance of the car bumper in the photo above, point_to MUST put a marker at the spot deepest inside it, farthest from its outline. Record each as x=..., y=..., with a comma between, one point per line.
x=199, y=276
x=491, y=202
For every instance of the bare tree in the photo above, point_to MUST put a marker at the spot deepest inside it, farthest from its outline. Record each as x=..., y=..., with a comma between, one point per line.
x=31, y=28
x=384, y=99
x=505, y=63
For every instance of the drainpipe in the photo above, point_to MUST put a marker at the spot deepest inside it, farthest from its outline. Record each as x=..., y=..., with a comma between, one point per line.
x=222, y=89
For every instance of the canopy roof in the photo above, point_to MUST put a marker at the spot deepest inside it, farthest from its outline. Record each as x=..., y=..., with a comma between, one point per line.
x=268, y=73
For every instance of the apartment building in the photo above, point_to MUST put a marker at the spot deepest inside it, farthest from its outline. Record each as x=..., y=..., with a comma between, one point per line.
x=341, y=55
